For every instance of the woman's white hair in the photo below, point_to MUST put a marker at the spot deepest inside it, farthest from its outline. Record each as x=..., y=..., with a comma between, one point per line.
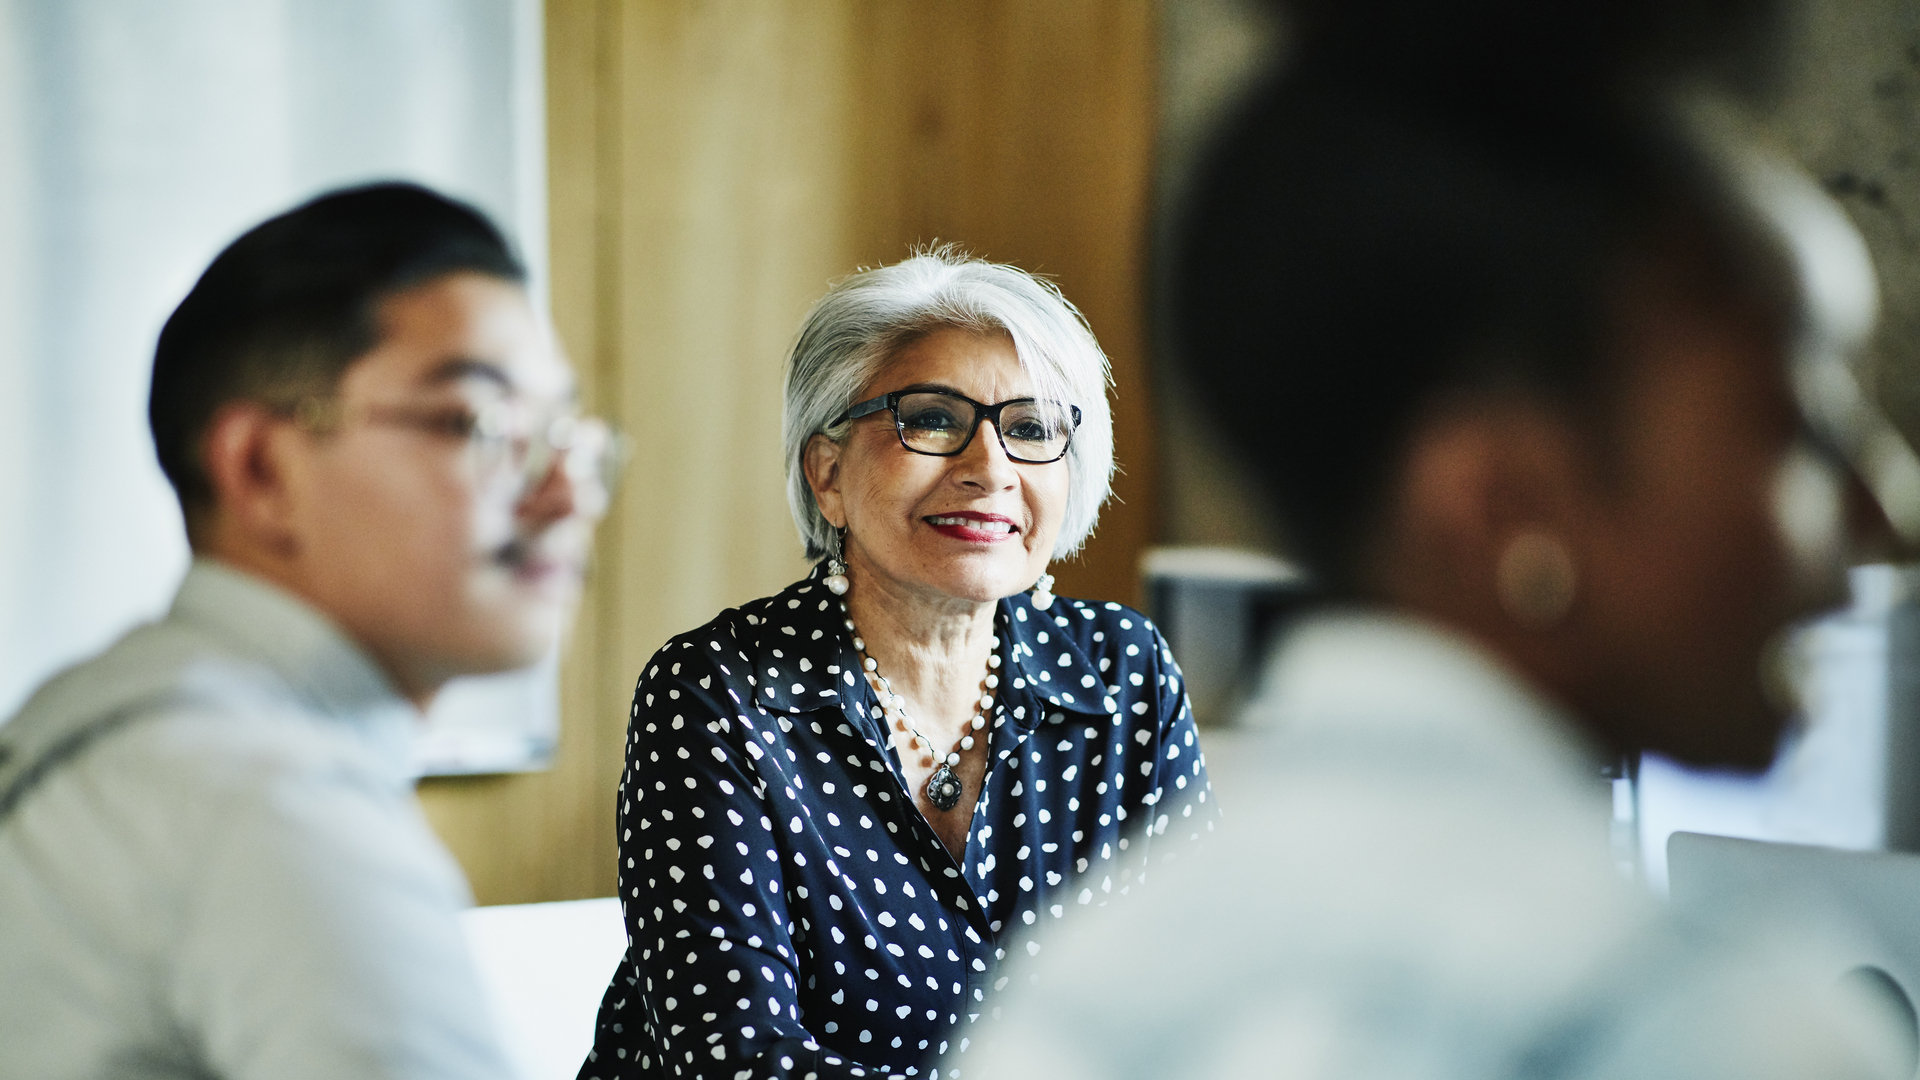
x=864, y=320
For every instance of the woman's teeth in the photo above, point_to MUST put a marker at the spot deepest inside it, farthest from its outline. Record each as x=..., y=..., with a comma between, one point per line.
x=973, y=523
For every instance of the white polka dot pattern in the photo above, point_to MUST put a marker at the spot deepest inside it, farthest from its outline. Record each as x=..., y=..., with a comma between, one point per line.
x=791, y=914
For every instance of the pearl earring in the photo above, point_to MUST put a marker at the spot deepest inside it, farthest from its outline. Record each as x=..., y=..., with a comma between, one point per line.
x=1536, y=580
x=836, y=579
x=1043, y=592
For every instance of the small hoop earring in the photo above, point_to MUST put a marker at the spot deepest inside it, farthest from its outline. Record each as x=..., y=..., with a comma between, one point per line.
x=1536, y=580
x=1043, y=592
x=836, y=579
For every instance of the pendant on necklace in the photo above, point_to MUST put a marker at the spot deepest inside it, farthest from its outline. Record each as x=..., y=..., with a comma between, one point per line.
x=943, y=788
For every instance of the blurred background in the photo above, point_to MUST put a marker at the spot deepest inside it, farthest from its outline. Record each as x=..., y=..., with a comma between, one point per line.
x=686, y=176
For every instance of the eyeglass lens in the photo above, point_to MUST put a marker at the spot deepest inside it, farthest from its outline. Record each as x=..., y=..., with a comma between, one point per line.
x=1031, y=431
x=588, y=449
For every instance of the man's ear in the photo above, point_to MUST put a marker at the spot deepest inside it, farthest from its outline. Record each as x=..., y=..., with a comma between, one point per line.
x=820, y=461
x=246, y=454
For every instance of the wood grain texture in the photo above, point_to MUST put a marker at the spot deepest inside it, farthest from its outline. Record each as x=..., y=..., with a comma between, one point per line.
x=549, y=835
x=1023, y=131
x=714, y=164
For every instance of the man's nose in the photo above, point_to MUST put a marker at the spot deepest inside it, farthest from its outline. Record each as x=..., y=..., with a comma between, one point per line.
x=557, y=494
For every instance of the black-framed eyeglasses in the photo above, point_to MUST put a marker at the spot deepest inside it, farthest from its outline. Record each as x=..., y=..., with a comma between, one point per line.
x=942, y=424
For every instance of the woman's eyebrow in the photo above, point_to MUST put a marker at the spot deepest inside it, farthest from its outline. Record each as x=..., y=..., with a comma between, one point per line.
x=943, y=388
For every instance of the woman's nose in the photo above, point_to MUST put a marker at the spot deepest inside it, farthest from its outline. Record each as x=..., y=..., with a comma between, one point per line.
x=985, y=460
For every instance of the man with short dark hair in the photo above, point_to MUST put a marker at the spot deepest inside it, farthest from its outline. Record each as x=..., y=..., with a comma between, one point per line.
x=211, y=863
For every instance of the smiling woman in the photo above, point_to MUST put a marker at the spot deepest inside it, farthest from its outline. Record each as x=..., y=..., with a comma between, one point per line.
x=841, y=803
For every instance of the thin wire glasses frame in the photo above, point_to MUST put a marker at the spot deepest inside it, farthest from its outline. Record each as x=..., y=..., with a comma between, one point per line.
x=891, y=402
x=589, y=449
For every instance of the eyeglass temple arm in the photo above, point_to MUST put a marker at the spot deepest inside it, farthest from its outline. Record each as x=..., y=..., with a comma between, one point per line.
x=866, y=408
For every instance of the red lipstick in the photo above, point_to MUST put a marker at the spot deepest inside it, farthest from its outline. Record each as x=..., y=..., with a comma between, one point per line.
x=974, y=527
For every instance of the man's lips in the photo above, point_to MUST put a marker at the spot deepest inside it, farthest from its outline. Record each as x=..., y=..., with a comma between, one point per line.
x=973, y=526
x=531, y=560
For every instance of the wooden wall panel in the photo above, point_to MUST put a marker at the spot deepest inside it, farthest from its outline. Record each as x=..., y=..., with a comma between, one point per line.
x=714, y=164
x=1022, y=130
x=549, y=835
x=733, y=220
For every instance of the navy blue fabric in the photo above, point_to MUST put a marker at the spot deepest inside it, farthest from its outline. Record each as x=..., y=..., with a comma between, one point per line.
x=789, y=911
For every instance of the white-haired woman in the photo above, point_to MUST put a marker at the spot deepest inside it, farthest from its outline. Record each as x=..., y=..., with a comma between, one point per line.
x=841, y=801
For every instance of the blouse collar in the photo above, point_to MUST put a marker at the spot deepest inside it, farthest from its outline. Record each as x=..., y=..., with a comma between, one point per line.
x=802, y=656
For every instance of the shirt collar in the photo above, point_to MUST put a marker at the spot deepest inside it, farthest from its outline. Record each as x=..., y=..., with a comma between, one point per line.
x=1056, y=669
x=802, y=656
x=1393, y=686
x=260, y=621
x=220, y=615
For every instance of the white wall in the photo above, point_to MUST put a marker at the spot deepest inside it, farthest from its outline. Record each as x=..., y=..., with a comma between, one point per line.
x=136, y=140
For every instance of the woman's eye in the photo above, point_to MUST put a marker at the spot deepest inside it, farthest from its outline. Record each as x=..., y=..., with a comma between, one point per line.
x=1029, y=431
x=931, y=420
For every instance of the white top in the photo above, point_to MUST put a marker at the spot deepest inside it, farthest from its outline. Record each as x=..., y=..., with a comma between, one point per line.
x=212, y=864
x=1421, y=887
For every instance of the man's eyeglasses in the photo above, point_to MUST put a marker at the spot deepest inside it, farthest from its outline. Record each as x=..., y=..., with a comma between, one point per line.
x=941, y=424
x=503, y=439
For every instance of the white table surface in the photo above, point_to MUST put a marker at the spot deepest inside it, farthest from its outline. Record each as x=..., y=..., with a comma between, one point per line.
x=544, y=968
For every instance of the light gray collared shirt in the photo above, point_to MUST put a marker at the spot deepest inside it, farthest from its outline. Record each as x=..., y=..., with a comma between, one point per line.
x=212, y=864
x=1415, y=883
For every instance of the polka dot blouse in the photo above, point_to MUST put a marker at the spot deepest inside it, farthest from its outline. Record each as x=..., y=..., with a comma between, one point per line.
x=789, y=911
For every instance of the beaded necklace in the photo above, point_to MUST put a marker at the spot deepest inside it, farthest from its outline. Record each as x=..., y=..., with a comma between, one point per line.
x=943, y=787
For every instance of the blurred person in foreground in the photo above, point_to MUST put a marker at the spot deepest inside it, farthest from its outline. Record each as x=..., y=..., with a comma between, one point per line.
x=1517, y=357
x=211, y=861
x=843, y=802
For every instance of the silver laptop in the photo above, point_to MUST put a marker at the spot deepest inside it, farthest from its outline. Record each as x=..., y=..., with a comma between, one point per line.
x=1873, y=896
